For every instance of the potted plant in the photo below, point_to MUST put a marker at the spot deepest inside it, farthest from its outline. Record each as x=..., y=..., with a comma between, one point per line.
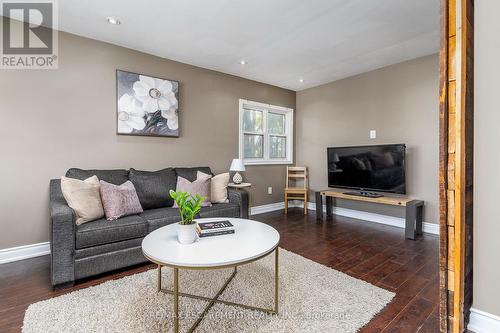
x=189, y=205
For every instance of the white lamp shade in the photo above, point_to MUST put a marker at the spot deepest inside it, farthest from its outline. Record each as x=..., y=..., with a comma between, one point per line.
x=237, y=165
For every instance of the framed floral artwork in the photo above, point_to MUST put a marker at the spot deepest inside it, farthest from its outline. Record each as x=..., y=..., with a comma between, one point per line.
x=146, y=105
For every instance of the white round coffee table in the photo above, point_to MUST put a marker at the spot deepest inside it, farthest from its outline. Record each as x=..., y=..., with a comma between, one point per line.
x=251, y=241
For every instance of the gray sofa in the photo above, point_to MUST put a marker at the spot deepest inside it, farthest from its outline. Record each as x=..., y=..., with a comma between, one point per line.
x=80, y=251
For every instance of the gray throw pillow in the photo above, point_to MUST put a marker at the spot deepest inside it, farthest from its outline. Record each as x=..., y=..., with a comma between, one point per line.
x=119, y=200
x=153, y=187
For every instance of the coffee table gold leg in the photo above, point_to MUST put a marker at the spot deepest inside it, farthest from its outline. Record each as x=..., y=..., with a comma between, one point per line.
x=276, y=281
x=159, y=278
x=216, y=299
x=176, y=300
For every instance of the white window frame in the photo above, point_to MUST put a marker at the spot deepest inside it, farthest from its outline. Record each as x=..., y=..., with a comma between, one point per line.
x=266, y=108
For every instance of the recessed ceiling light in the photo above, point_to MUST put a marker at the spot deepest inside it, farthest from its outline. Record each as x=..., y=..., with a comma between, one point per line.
x=243, y=62
x=301, y=80
x=113, y=20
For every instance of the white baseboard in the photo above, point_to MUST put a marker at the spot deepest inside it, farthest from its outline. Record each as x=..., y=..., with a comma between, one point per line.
x=35, y=250
x=40, y=249
x=483, y=322
x=267, y=208
x=24, y=252
x=429, y=228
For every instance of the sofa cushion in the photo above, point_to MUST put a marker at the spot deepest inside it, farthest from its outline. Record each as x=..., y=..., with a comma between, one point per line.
x=83, y=197
x=218, y=187
x=103, y=231
x=200, y=186
x=116, y=177
x=93, y=265
x=190, y=173
x=107, y=248
x=119, y=200
x=160, y=217
x=153, y=187
x=221, y=210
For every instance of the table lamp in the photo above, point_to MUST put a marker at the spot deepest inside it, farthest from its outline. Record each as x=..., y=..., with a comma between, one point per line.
x=237, y=165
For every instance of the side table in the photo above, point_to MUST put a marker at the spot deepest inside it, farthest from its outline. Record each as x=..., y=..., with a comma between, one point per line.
x=243, y=187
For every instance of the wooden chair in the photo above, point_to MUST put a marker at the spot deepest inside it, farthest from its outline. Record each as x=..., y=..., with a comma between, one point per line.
x=296, y=193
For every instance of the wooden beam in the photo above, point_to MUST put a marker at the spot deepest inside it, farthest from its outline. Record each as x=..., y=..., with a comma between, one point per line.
x=443, y=166
x=458, y=251
x=456, y=162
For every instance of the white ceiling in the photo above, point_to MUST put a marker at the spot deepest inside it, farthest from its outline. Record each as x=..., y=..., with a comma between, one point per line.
x=282, y=40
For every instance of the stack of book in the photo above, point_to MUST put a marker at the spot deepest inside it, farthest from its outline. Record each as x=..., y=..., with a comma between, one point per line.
x=216, y=228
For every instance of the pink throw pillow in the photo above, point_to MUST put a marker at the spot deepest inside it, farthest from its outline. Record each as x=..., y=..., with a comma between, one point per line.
x=119, y=200
x=200, y=186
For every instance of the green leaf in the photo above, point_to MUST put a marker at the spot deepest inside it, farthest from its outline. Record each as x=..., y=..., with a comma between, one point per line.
x=189, y=204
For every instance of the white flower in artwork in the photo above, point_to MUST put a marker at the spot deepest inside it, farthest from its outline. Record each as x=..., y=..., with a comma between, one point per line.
x=172, y=118
x=130, y=114
x=155, y=94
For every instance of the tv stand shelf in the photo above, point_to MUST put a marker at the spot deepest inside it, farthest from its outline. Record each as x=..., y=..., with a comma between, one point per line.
x=387, y=200
x=414, y=208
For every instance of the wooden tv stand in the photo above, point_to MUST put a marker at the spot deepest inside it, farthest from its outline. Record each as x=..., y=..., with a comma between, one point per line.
x=414, y=208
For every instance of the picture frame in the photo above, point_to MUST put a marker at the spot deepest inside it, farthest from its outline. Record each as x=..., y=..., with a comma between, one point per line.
x=146, y=105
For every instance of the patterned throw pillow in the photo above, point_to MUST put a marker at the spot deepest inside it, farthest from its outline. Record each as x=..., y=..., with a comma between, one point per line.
x=218, y=186
x=119, y=200
x=83, y=197
x=200, y=186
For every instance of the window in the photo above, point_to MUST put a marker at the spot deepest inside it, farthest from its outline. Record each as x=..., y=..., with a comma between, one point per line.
x=266, y=133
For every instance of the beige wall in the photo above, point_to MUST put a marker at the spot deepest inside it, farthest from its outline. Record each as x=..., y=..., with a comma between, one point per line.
x=487, y=158
x=399, y=101
x=56, y=119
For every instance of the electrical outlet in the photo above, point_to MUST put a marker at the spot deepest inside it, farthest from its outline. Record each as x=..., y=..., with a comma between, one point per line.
x=269, y=190
x=373, y=134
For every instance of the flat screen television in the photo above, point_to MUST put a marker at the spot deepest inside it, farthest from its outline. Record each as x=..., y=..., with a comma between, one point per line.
x=378, y=168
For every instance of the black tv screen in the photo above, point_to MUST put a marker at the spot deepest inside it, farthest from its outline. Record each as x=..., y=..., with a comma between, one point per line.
x=375, y=168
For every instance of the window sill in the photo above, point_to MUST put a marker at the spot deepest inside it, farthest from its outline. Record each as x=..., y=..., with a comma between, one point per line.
x=266, y=162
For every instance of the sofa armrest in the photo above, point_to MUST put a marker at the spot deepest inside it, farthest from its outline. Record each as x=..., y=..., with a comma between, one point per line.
x=239, y=197
x=62, y=236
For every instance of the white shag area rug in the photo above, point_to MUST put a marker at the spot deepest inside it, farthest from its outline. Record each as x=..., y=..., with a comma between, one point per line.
x=313, y=298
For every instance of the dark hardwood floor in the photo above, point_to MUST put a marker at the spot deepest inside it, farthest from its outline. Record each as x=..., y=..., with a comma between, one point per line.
x=372, y=252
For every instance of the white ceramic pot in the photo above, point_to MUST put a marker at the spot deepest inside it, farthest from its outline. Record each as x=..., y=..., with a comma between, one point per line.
x=186, y=234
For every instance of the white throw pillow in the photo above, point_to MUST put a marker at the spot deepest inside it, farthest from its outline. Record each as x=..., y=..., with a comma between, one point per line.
x=218, y=187
x=83, y=197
